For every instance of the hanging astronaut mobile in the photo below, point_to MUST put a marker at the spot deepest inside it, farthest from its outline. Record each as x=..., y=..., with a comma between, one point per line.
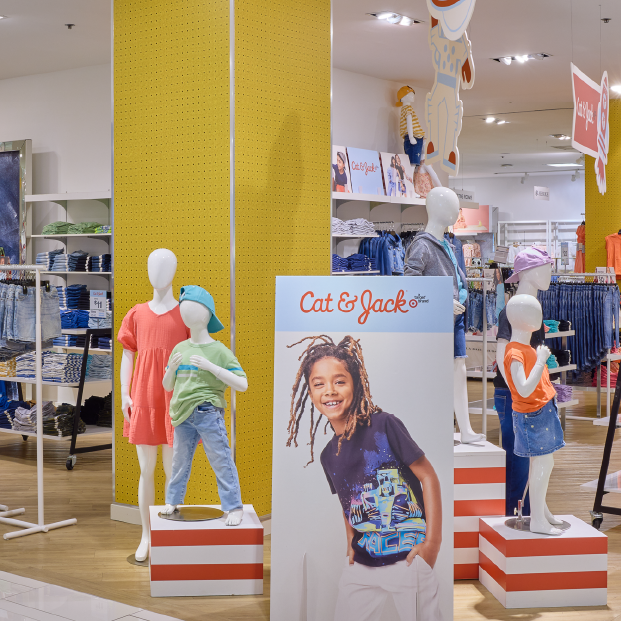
x=454, y=66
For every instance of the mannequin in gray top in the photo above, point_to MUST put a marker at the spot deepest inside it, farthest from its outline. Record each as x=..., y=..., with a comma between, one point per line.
x=431, y=255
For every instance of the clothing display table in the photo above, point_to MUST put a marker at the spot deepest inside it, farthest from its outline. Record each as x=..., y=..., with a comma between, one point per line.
x=206, y=558
x=479, y=491
x=529, y=570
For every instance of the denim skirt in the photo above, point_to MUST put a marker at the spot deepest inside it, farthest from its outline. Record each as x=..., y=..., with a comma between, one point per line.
x=538, y=433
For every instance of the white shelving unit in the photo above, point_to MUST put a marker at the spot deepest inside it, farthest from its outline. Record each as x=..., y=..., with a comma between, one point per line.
x=344, y=197
x=91, y=430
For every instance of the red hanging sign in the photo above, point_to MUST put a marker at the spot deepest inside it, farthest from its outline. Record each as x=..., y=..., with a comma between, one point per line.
x=586, y=102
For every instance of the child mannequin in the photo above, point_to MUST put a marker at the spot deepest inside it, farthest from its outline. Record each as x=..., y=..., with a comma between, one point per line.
x=409, y=126
x=197, y=406
x=538, y=431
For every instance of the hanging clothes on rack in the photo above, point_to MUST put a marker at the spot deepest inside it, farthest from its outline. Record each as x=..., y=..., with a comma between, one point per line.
x=613, y=252
x=591, y=308
x=579, y=266
x=386, y=250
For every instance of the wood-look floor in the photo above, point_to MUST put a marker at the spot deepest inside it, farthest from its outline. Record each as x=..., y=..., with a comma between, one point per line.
x=91, y=557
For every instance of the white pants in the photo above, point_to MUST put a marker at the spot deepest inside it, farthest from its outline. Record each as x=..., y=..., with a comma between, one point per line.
x=363, y=592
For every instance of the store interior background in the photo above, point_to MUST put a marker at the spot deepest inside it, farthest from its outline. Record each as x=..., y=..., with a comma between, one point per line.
x=57, y=91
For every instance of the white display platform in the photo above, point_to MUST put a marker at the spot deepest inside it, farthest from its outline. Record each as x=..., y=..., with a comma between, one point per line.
x=528, y=570
x=479, y=491
x=206, y=558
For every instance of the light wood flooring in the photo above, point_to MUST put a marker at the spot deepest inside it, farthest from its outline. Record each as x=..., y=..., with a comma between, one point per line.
x=91, y=557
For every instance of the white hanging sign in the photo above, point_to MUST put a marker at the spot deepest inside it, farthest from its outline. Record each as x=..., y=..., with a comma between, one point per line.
x=541, y=193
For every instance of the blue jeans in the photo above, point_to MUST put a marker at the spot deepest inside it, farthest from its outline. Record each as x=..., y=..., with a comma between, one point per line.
x=414, y=151
x=459, y=337
x=517, y=467
x=25, y=315
x=207, y=423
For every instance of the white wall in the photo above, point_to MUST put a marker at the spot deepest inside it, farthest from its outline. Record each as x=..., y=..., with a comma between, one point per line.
x=67, y=114
x=516, y=201
x=364, y=114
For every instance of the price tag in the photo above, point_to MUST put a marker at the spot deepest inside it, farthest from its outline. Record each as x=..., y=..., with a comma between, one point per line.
x=564, y=253
x=98, y=303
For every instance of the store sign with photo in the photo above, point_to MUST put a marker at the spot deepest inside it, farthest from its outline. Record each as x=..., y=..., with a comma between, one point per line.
x=362, y=449
x=591, y=132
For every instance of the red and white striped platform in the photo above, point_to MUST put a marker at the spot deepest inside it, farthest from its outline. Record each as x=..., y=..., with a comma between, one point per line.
x=479, y=491
x=206, y=558
x=528, y=570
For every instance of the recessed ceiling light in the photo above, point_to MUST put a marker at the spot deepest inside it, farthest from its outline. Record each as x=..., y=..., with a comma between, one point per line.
x=507, y=60
x=500, y=122
x=395, y=18
x=560, y=136
x=490, y=119
x=616, y=88
x=2, y=16
x=506, y=165
x=565, y=165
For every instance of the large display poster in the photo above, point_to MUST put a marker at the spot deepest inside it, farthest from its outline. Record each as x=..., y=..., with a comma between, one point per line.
x=372, y=359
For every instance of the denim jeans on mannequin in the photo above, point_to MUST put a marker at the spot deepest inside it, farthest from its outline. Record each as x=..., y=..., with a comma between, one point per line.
x=206, y=423
x=516, y=467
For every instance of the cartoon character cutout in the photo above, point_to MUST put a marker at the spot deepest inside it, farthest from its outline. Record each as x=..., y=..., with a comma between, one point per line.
x=386, y=507
x=453, y=15
x=454, y=67
x=603, y=135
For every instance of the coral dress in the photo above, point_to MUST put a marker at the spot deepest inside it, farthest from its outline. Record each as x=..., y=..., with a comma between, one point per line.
x=153, y=337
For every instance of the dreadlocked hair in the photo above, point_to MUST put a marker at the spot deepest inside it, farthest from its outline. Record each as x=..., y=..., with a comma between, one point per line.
x=349, y=352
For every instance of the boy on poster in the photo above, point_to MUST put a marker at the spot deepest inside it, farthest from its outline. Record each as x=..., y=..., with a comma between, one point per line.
x=388, y=489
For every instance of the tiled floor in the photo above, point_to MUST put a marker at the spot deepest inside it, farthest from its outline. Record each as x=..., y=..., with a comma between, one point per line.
x=22, y=599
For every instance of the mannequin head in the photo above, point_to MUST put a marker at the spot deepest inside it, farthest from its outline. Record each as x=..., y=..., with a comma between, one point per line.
x=195, y=315
x=161, y=267
x=524, y=313
x=405, y=95
x=442, y=207
x=539, y=277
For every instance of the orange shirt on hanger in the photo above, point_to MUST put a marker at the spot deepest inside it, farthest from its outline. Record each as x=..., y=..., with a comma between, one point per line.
x=613, y=252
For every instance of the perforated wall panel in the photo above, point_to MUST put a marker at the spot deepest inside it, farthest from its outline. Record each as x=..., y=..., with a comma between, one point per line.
x=603, y=212
x=282, y=168
x=171, y=174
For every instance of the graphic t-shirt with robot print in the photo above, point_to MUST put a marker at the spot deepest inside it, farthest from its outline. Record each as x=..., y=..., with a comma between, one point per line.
x=381, y=497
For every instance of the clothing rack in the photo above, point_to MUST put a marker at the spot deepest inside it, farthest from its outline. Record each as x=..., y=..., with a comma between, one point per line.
x=485, y=282
x=6, y=517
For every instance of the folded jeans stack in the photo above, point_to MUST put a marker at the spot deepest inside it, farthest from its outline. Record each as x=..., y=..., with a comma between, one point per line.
x=101, y=322
x=358, y=263
x=57, y=367
x=339, y=264
x=100, y=367
x=74, y=296
x=73, y=319
x=70, y=340
x=564, y=393
x=100, y=263
x=47, y=258
x=74, y=262
x=101, y=342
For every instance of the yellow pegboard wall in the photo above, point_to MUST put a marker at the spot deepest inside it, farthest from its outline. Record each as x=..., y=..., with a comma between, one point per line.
x=171, y=175
x=603, y=212
x=282, y=195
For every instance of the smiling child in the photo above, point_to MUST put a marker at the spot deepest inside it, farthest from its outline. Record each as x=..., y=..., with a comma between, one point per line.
x=389, y=491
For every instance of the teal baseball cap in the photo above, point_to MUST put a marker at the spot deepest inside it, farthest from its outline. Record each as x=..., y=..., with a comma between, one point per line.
x=194, y=293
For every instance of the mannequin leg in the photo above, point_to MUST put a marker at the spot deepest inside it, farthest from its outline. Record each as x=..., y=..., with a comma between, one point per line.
x=147, y=458
x=550, y=517
x=540, y=470
x=460, y=403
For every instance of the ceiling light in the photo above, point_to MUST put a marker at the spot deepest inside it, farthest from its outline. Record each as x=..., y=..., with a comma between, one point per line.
x=500, y=122
x=560, y=136
x=490, y=119
x=580, y=160
x=616, y=88
x=564, y=165
x=506, y=165
x=2, y=16
x=507, y=60
x=395, y=18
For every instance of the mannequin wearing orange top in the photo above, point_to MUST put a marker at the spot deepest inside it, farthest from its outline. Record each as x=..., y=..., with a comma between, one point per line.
x=151, y=330
x=579, y=264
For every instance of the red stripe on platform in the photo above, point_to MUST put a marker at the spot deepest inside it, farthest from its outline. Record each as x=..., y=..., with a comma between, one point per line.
x=230, y=537
x=160, y=573
x=543, y=547
x=544, y=582
x=466, y=540
x=464, y=508
x=468, y=476
x=468, y=571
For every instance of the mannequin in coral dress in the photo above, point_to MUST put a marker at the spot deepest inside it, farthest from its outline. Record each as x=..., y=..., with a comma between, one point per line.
x=150, y=330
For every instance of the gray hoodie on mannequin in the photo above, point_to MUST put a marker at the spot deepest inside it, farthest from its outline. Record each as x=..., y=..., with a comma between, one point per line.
x=426, y=256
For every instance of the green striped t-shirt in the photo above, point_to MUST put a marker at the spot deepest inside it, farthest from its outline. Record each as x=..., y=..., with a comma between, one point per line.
x=194, y=386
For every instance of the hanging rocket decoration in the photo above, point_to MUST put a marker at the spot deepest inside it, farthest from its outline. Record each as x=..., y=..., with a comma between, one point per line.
x=454, y=67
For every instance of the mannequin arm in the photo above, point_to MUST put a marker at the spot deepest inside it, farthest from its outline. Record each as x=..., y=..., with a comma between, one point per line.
x=408, y=120
x=168, y=382
x=434, y=177
x=526, y=386
x=127, y=370
x=240, y=384
x=501, y=348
